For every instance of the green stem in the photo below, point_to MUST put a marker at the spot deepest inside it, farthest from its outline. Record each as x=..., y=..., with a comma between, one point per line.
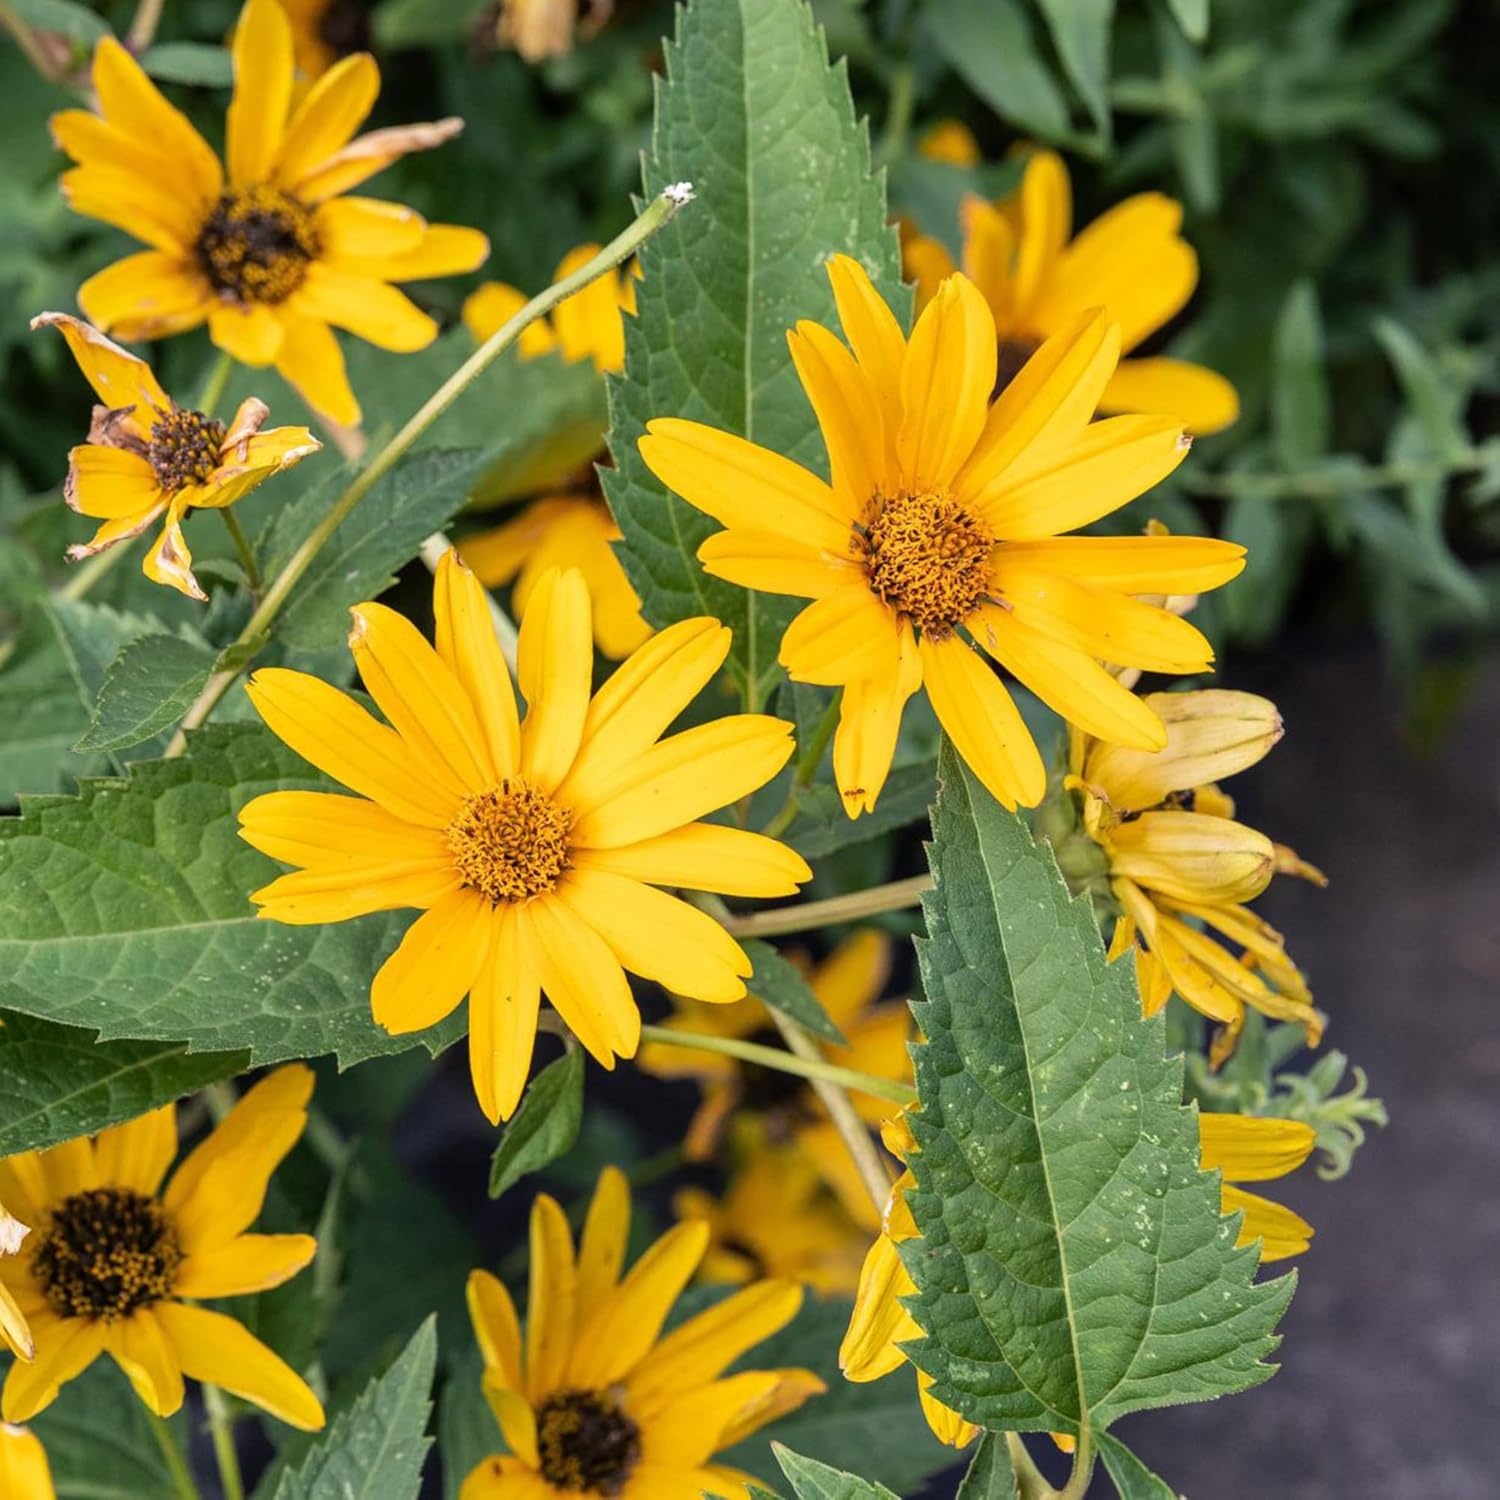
x=214, y=384
x=1031, y=1483
x=812, y=914
x=143, y=30
x=28, y=41
x=1083, y=1465
x=243, y=550
x=807, y=767
x=183, y=1483
x=657, y=213
x=82, y=578
x=783, y=1062
x=898, y=112
x=1321, y=484
x=226, y=1455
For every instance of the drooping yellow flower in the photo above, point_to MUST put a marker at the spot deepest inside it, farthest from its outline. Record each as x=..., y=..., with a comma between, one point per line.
x=1254, y=1148
x=945, y=515
x=848, y=985
x=24, y=1472
x=148, y=457
x=533, y=848
x=275, y=255
x=1181, y=868
x=568, y=524
x=14, y=1329
x=597, y=1401
x=117, y=1265
x=776, y=1217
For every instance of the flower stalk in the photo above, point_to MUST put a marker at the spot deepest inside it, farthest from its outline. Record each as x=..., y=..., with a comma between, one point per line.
x=226, y=1455
x=810, y=915
x=184, y=1486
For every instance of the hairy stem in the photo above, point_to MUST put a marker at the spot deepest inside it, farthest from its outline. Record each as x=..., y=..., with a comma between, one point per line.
x=657, y=213
x=226, y=1455
x=214, y=383
x=1083, y=1465
x=1031, y=1483
x=184, y=1486
x=813, y=914
x=243, y=550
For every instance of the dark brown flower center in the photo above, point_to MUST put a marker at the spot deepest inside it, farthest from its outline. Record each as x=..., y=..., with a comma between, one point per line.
x=184, y=448
x=927, y=557
x=105, y=1252
x=586, y=1442
x=345, y=27
x=510, y=844
x=256, y=244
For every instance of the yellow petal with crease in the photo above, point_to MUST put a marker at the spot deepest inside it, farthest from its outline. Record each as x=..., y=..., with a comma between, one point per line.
x=847, y=636
x=776, y=564
x=869, y=724
x=584, y=981
x=705, y=857
x=435, y=964
x=1200, y=398
x=503, y=1007
x=262, y=56
x=138, y=1153
x=1192, y=856
x=555, y=661
x=1251, y=1148
x=248, y=1263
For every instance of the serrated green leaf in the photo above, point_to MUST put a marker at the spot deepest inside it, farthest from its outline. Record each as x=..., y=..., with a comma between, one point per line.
x=1073, y=1264
x=545, y=1126
x=990, y=1476
x=147, y=689
x=1301, y=415
x=814, y=1481
x=755, y=118
x=1132, y=1479
x=1081, y=33
x=375, y=1450
x=781, y=986
x=195, y=63
x=360, y=559
x=126, y=909
x=58, y=1082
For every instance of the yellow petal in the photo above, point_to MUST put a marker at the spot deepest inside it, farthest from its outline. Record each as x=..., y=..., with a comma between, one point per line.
x=555, y=660
x=847, y=408
x=248, y=1263
x=113, y=484
x=502, y=1015
x=989, y=254
x=691, y=1430
x=138, y=1153
x=1046, y=217
x=986, y=728
x=250, y=334
x=517, y=1423
x=312, y=363
x=141, y=206
x=354, y=227
x=1198, y=984
x=435, y=964
x=24, y=1473
x=1192, y=857
x=490, y=307
x=550, y=1299
x=323, y=831
x=869, y=723
x=69, y=1168
x=946, y=1424
x=215, y=1349
x=584, y=982
x=657, y=936
x=776, y=564
x=370, y=153
x=363, y=306
x=873, y=333
x=878, y=1323
x=1253, y=1148
x=847, y=636
x=1136, y=564
x=601, y=1250
x=705, y=857
x=497, y=1330
x=1200, y=398
x=147, y=295
x=119, y=379
x=327, y=117
x=946, y=380
x=253, y=129
x=783, y=1391
x=1280, y=1231
x=589, y=324
x=65, y=1347
x=314, y=897
x=15, y=1334
x=443, y=250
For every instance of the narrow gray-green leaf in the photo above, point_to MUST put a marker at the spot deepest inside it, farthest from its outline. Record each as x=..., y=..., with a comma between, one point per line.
x=1301, y=414
x=148, y=688
x=991, y=1475
x=752, y=115
x=127, y=909
x=781, y=986
x=375, y=1449
x=1081, y=32
x=545, y=1126
x=1073, y=1264
x=1192, y=16
x=193, y=63
x=65, y=17
x=1132, y=1479
x=814, y=1481
x=1436, y=400
x=59, y=1082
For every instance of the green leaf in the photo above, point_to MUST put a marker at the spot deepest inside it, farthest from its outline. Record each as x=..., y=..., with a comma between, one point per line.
x=1436, y=401
x=1192, y=16
x=1073, y=1264
x=58, y=1082
x=755, y=118
x=545, y=1126
x=360, y=559
x=375, y=1449
x=417, y=23
x=126, y=909
x=467, y=1430
x=1301, y=414
x=147, y=689
x=1081, y=33
x=992, y=48
x=781, y=986
x=814, y=1481
x=991, y=1475
x=194, y=63
x=1132, y=1479
x=76, y=22
x=823, y=826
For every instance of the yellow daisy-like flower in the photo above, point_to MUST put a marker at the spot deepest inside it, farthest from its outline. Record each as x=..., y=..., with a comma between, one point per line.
x=533, y=847
x=14, y=1329
x=1181, y=868
x=274, y=256
x=775, y=1218
x=568, y=524
x=848, y=985
x=113, y=1257
x=1037, y=277
x=597, y=1401
x=24, y=1472
x=148, y=457
x=944, y=515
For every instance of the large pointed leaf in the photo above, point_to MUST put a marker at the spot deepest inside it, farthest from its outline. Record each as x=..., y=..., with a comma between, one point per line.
x=1073, y=1264
x=814, y=1481
x=755, y=118
x=126, y=909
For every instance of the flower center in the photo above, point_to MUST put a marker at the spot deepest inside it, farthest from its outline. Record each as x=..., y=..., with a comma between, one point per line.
x=510, y=844
x=184, y=448
x=256, y=244
x=345, y=27
x=585, y=1442
x=927, y=557
x=105, y=1252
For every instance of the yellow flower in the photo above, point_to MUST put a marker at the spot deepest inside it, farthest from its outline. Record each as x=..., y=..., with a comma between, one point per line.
x=848, y=985
x=14, y=1329
x=539, y=29
x=113, y=1256
x=569, y=526
x=274, y=257
x=533, y=847
x=598, y=1401
x=949, y=141
x=148, y=457
x=1181, y=868
x=944, y=514
x=1253, y=1148
x=24, y=1474
x=775, y=1218
x=323, y=31
x=1037, y=277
